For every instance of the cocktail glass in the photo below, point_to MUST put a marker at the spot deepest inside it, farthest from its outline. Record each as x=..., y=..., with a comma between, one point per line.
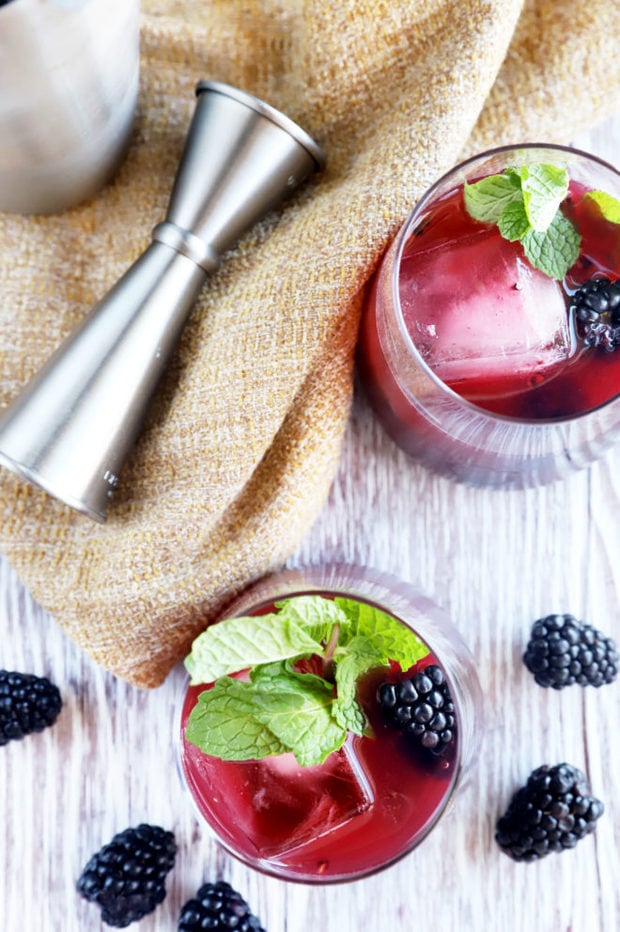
x=369, y=803
x=458, y=320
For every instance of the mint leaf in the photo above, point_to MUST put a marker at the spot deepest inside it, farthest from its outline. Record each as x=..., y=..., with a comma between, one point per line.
x=544, y=187
x=513, y=223
x=486, y=199
x=268, y=677
x=314, y=613
x=556, y=249
x=278, y=711
x=297, y=708
x=359, y=656
x=225, y=723
x=608, y=205
x=392, y=639
x=238, y=643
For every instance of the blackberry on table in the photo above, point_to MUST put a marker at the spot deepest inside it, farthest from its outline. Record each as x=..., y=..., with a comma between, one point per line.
x=552, y=812
x=126, y=878
x=597, y=312
x=563, y=651
x=28, y=703
x=218, y=907
x=421, y=707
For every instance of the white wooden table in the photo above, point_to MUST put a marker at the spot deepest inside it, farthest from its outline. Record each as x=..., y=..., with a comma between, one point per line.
x=496, y=561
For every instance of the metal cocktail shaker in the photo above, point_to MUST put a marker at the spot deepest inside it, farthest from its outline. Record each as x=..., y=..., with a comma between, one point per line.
x=70, y=429
x=68, y=90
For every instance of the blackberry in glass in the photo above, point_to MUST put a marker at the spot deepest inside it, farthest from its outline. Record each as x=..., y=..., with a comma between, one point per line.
x=421, y=707
x=597, y=312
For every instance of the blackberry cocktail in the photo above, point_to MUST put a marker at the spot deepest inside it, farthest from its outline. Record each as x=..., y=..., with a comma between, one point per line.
x=349, y=713
x=488, y=344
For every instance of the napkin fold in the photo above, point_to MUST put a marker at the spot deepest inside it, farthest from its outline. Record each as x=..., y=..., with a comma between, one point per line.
x=243, y=439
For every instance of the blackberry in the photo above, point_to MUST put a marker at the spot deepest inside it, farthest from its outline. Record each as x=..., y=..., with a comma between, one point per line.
x=218, y=907
x=27, y=703
x=421, y=707
x=126, y=878
x=563, y=651
x=552, y=812
x=597, y=312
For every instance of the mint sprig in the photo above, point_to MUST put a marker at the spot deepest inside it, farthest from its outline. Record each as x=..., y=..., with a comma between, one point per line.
x=279, y=708
x=228, y=714
x=524, y=203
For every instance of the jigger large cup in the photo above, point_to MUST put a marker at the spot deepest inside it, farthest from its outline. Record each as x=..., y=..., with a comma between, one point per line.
x=71, y=428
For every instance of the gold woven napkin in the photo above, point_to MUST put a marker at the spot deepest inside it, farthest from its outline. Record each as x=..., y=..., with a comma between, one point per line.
x=244, y=436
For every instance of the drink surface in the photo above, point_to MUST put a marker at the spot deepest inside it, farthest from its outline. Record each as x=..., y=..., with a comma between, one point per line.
x=498, y=331
x=363, y=808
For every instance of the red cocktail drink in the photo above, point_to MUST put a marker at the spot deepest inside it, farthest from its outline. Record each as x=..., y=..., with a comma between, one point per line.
x=482, y=357
x=373, y=799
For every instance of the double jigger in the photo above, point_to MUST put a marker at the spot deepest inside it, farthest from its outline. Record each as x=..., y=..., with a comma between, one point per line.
x=71, y=428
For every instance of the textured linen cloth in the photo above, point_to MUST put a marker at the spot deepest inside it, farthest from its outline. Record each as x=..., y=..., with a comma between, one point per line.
x=243, y=439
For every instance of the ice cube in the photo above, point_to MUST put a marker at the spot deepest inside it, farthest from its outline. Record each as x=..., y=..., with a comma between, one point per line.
x=476, y=309
x=291, y=805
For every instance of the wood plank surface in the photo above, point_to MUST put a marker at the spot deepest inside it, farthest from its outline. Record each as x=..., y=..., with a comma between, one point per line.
x=496, y=561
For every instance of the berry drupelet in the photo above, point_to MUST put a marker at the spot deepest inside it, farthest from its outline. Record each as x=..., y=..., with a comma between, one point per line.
x=596, y=306
x=552, y=812
x=126, y=878
x=563, y=651
x=28, y=703
x=421, y=708
x=218, y=907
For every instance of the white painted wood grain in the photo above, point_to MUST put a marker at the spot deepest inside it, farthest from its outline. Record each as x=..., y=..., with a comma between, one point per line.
x=496, y=561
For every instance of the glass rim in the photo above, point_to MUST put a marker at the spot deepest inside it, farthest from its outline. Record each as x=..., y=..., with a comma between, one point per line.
x=399, y=244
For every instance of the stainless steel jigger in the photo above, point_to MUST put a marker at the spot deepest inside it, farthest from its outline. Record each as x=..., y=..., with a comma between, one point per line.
x=71, y=428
